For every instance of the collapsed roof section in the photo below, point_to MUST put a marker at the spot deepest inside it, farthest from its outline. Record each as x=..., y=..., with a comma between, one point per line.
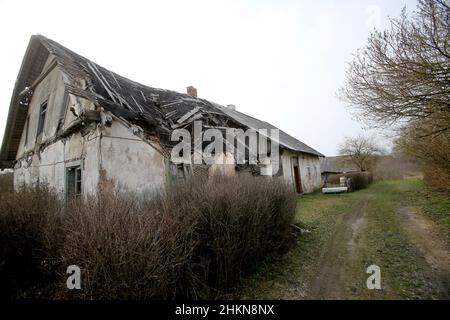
x=156, y=109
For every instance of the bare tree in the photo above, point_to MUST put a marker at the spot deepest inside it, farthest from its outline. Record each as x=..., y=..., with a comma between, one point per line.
x=401, y=79
x=402, y=76
x=360, y=150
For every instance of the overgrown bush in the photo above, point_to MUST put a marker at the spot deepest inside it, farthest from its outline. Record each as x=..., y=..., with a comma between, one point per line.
x=358, y=180
x=29, y=236
x=396, y=167
x=6, y=182
x=194, y=240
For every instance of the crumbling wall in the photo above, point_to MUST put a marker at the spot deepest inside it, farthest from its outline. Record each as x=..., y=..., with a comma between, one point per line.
x=43, y=159
x=132, y=163
x=49, y=165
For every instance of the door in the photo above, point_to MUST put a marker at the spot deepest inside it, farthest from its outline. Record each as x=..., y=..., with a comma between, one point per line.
x=297, y=181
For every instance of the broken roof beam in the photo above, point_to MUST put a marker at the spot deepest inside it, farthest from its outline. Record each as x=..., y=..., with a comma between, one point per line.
x=189, y=114
x=109, y=89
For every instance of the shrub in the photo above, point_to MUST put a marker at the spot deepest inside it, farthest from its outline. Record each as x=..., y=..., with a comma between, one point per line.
x=437, y=178
x=358, y=180
x=354, y=180
x=6, y=182
x=28, y=242
x=193, y=240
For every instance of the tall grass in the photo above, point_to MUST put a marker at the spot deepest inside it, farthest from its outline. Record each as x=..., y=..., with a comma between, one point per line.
x=6, y=181
x=195, y=240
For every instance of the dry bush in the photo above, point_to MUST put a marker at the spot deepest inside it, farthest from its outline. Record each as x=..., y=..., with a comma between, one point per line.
x=6, y=182
x=29, y=221
x=437, y=178
x=433, y=152
x=194, y=240
x=358, y=180
x=243, y=221
x=395, y=167
x=128, y=248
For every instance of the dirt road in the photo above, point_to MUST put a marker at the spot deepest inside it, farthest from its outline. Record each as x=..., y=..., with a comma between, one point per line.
x=334, y=276
x=425, y=236
x=385, y=225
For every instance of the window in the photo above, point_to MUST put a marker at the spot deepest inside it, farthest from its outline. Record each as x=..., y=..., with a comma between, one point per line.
x=27, y=127
x=309, y=173
x=73, y=181
x=180, y=171
x=42, y=115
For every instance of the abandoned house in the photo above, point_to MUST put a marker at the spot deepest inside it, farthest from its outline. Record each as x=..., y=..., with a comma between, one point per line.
x=77, y=126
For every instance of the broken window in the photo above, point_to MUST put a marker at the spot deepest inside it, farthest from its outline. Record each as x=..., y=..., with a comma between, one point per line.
x=180, y=171
x=42, y=115
x=73, y=181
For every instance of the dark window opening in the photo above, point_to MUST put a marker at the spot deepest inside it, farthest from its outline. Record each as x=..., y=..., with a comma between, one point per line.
x=180, y=171
x=27, y=127
x=42, y=115
x=73, y=176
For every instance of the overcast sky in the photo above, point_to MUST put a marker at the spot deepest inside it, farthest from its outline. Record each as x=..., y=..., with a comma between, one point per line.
x=279, y=61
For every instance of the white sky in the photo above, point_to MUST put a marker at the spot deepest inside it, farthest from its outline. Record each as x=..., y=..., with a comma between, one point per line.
x=279, y=61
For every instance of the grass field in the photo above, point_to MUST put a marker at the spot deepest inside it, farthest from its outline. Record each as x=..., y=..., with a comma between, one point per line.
x=401, y=226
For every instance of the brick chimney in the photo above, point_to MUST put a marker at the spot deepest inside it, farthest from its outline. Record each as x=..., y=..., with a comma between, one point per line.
x=192, y=91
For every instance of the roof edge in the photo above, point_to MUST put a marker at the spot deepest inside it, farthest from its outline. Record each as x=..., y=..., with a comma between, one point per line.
x=32, y=49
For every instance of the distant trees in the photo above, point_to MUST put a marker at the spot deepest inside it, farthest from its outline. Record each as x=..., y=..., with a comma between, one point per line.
x=401, y=80
x=360, y=150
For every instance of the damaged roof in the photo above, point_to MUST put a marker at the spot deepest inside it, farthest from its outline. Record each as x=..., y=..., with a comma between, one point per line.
x=285, y=140
x=162, y=109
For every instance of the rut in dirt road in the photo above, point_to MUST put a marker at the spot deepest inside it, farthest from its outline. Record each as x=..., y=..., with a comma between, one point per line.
x=423, y=234
x=334, y=278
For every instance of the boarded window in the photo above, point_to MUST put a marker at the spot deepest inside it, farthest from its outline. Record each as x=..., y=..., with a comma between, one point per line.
x=73, y=181
x=42, y=115
x=309, y=173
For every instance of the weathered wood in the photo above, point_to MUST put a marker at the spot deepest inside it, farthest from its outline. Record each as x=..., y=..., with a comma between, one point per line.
x=189, y=114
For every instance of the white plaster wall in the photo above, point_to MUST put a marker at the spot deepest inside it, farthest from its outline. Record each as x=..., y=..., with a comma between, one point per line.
x=49, y=166
x=130, y=162
x=50, y=89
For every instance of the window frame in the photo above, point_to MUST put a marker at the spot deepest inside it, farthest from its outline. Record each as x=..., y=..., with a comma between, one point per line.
x=78, y=179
